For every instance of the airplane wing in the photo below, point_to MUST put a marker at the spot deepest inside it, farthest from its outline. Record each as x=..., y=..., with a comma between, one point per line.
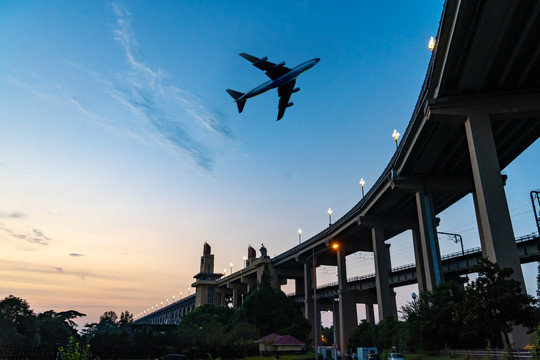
x=285, y=92
x=272, y=70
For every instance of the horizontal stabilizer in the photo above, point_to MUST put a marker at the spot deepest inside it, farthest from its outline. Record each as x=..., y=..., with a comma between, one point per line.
x=235, y=94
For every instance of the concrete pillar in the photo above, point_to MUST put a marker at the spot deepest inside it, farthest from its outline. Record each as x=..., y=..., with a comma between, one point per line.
x=235, y=298
x=336, y=320
x=392, y=292
x=428, y=239
x=299, y=286
x=494, y=223
x=347, y=304
x=492, y=214
x=384, y=295
x=308, y=295
x=251, y=283
x=370, y=313
x=418, y=256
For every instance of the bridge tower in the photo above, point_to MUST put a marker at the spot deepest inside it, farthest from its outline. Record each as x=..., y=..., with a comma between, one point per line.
x=205, y=283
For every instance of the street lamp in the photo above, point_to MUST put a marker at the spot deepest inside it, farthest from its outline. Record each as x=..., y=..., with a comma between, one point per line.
x=395, y=135
x=431, y=44
x=299, y=235
x=362, y=183
x=329, y=217
x=245, y=260
x=455, y=238
x=314, y=257
x=188, y=290
x=180, y=294
x=231, y=267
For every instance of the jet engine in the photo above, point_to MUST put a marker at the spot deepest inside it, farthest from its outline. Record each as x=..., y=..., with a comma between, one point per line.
x=290, y=104
x=280, y=64
x=296, y=90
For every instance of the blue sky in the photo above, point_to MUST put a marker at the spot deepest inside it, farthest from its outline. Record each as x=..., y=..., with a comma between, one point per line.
x=121, y=152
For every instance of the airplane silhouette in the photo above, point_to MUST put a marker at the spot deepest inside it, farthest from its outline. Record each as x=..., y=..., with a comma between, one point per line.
x=281, y=77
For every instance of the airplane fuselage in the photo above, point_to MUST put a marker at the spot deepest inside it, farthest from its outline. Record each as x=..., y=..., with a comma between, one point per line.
x=282, y=80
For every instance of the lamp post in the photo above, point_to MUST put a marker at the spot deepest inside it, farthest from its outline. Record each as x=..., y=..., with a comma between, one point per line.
x=299, y=235
x=188, y=290
x=231, y=267
x=245, y=260
x=362, y=183
x=314, y=257
x=395, y=135
x=329, y=217
x=455, y=238
x=180, y=294
x=431, y=44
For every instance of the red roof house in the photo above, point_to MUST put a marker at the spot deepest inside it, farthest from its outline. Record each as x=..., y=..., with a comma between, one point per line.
x=280, y=343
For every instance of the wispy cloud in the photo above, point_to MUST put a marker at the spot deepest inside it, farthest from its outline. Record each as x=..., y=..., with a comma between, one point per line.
x=142, y=91
x=35, y=236
x=150, y=108
x=76, y=255
x=12, y=215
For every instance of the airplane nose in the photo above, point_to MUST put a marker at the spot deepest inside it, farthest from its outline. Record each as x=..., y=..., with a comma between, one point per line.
x=318, y=59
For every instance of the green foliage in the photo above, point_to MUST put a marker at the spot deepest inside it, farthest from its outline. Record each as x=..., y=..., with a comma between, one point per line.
x=271, y=311
x=18, y=323
x=365, y=335
x=384, y=335
x=57, y=327
x=430, y=320
x=207, y=328
x=75, y=351
x=496, y=302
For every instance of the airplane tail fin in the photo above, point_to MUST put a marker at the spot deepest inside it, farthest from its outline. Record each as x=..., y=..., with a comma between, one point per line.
x=237, y=95
x=241, y=105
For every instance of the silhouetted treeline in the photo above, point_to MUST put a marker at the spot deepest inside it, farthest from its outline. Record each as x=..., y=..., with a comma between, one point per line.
x=458, y=317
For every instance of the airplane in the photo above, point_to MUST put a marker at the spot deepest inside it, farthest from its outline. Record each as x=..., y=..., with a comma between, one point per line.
x=281, y=77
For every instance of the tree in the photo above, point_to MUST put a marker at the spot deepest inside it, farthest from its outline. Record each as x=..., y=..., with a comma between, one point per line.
x=430, y=319
x=496, y=301
x=18, y=323
x=271, y=311
x=125, y=318
x=57, y=327
x=365, y=335
x=206, y=327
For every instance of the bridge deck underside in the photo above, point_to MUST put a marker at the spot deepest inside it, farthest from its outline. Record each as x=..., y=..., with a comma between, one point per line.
x=489, y=59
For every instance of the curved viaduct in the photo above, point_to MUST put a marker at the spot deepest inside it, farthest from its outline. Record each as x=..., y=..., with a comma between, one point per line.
x=478, y=110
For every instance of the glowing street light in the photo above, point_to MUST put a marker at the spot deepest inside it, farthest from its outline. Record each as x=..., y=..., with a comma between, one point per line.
x=395, y=135
x=245, y=260
x=431, y=44
x=329, y=217
x=188, y=290
x=180, y=294
x=362, y=183
x=299, y=235
x=231, y=267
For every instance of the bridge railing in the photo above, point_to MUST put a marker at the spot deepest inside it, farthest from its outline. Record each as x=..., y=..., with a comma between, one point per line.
x=475, y=250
